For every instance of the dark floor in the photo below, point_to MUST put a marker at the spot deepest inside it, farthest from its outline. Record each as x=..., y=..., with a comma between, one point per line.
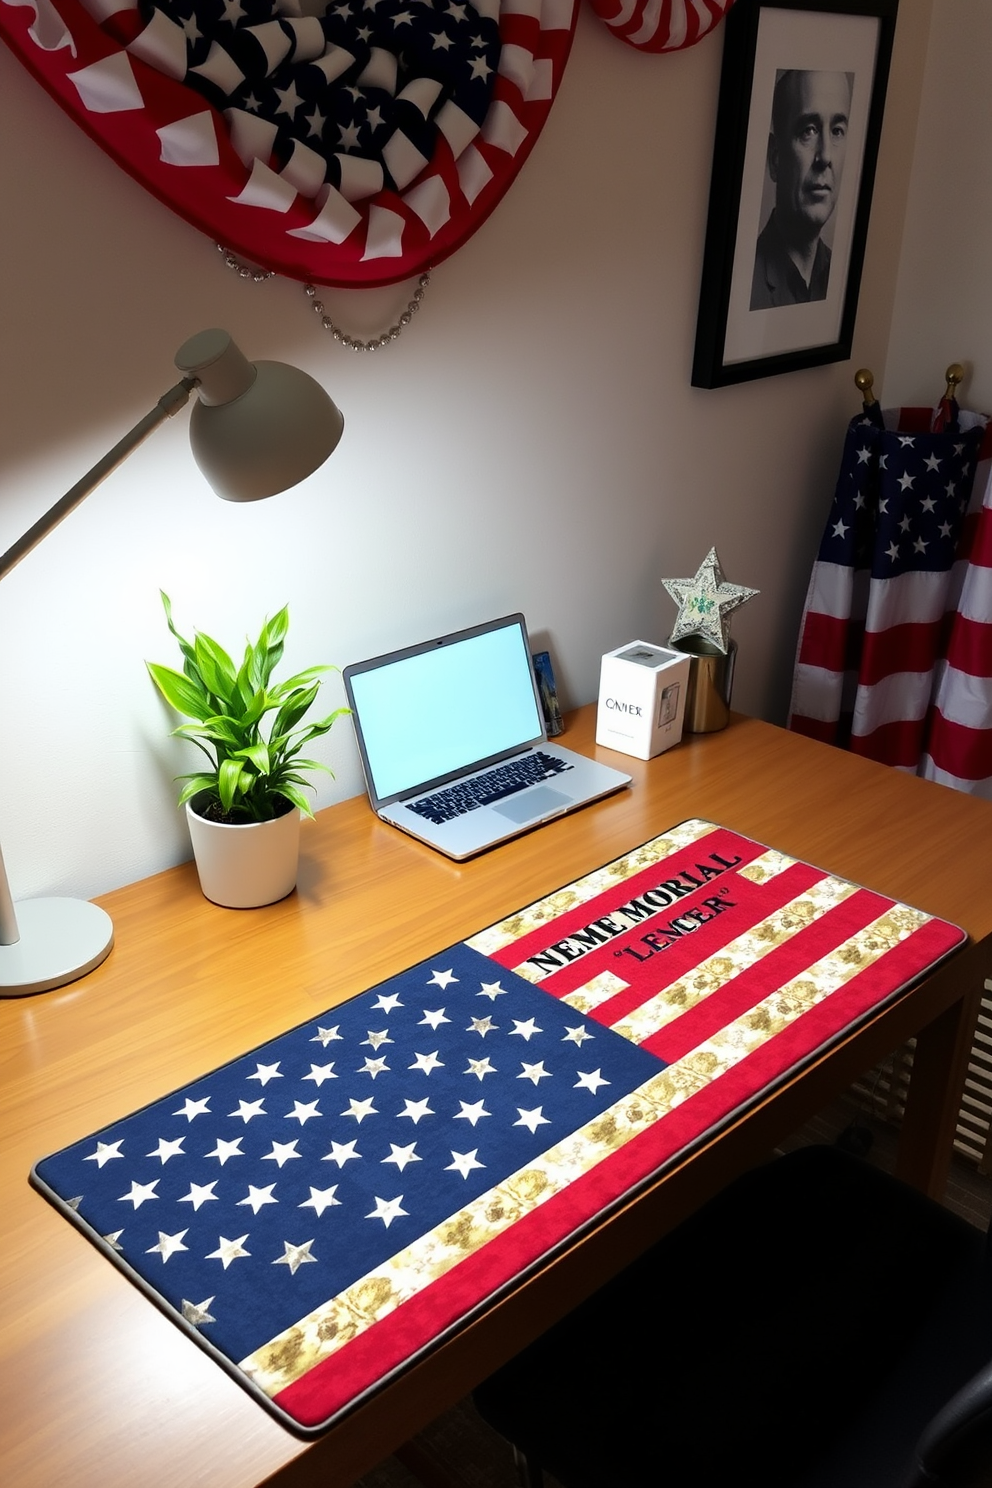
x=460, y=1449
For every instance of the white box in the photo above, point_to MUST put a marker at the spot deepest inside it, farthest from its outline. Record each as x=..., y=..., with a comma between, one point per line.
x=641, y=699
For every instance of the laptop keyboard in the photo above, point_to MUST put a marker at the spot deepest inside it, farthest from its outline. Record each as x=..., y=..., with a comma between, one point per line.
x=494, y=785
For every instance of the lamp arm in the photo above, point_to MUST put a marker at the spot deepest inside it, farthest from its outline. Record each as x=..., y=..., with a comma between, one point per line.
x=169, y=404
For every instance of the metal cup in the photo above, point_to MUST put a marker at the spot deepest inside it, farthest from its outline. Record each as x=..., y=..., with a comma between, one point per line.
x=711, y=679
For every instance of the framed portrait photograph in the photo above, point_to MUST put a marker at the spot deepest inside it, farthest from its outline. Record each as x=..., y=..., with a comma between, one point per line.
x=802, y=95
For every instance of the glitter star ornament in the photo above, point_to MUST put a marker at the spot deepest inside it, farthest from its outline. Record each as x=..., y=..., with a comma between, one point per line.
x=706, y=603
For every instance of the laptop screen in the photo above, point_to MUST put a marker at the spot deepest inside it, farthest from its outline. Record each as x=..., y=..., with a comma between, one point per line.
x=432, y=711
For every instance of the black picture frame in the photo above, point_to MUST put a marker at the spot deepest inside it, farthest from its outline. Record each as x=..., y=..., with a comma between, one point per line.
x=766, y=42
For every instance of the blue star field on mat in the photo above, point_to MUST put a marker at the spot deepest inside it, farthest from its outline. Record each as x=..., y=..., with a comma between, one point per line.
x=319, y=1155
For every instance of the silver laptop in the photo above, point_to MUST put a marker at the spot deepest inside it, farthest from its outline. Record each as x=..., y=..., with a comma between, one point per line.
x=453, y=741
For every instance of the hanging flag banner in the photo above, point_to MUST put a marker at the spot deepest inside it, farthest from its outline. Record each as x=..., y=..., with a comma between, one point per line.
x=323, y=1211
x=895, y=650
x=359, y=146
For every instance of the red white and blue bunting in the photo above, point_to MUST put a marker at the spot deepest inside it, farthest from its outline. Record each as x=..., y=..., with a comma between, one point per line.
x=345, y=142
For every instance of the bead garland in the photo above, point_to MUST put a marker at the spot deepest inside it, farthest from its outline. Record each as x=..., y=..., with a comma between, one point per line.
x=353, y=343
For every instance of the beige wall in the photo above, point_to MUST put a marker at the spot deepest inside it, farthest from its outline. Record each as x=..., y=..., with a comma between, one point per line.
x=532, y=443
x=943, y=310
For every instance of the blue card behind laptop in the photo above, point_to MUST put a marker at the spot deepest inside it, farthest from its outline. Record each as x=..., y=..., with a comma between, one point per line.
x=453, y=741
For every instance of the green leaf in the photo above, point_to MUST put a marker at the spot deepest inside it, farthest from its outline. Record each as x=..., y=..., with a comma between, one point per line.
x=179, y=692
x=290, y=793
x=217, y=670
x=258, y=755
x=293, y=710
x=195, y=784
x=229, y=782
x=184, y=645
x=302, y=679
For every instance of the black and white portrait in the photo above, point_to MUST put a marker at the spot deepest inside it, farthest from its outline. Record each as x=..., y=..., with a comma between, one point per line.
x=802, y=97
x=807, y=144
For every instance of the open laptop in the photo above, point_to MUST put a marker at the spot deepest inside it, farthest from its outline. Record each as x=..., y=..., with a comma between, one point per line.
x=453, y=741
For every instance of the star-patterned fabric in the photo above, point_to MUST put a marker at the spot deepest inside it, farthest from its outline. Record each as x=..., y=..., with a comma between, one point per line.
x=324, y=1209
x=344, y=141
x=706, y=602
x=895, y=651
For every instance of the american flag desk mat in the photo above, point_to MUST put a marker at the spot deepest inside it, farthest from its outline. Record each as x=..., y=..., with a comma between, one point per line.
x=320, y=1212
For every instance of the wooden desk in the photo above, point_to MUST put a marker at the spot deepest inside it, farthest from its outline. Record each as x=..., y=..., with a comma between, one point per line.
x=100, y=1389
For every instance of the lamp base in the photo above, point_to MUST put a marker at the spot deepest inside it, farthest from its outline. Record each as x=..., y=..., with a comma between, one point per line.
x=61, y=940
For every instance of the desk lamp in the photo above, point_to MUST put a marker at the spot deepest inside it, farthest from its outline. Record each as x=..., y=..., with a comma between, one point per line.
x=255, y=429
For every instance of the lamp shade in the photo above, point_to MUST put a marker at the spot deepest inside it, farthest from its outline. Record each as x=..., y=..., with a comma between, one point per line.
x=256, y=428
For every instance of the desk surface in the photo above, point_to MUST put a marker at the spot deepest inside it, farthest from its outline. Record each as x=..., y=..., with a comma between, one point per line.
x=99, y=1388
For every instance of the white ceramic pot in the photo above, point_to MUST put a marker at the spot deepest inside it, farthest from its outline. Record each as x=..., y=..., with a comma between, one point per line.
x=243, y=867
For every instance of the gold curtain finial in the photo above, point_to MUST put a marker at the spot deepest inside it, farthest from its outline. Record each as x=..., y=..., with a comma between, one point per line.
x=954, y=376
x=864, y=381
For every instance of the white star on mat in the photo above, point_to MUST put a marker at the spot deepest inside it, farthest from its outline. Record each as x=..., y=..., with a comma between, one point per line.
x=197, y=1313
x=167, y=1149
x=590, y=1081
x=140, y=1192
x=426, y=1062
x=375, y=1039
x=386, y=1002
x=387, y=1210
x=341, y=1152
x=464, y=1162
x=525, y=1029
x=194, y=1108
x=492, y=990
x=224, y=1150
x=360, y=1109
x=321, y=1072
x=247, y=1109
x=705, y=603
x=480, y=1068
x=471, y=1111
x=441, y=979
x=257, y=1198
x=321, y=1199
x=402, y=1155
x=327, y=1036
x=482, y=1026
x=532, y=1119
x=282, y=1152
x=106, y=1151
x=373, y=1067
x=199, y=1193
x=167, y=1245
x=295, y=1256
x=534, y=1072
x=229, y=1250
x=436, y=1018
x=303, y=1112
x=577, y=1035
x=415, y=1110
x=267, y=1072
x=113, y=1238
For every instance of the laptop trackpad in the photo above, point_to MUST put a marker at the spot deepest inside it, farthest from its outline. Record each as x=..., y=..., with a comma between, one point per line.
x=533, y=804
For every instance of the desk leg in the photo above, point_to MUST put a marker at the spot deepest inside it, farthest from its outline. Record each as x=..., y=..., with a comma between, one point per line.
x=939, y=1066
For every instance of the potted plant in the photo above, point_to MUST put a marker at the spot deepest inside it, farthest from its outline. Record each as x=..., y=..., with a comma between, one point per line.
x=244, y=810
